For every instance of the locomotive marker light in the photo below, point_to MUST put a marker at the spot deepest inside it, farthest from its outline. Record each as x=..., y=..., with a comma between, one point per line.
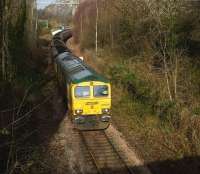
x=79, y=111
x=105, y=111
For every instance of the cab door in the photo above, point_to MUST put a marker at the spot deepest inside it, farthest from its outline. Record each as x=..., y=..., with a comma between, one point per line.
x=69, y=99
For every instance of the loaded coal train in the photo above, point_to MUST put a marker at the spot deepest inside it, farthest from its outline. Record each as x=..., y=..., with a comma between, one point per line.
x=88, y=94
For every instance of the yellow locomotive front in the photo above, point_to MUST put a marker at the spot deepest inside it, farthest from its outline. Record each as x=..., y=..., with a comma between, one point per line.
x=91, y=105
x=88, y=93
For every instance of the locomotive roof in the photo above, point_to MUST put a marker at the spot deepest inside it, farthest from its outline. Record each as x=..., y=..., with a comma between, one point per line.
x=76, y=70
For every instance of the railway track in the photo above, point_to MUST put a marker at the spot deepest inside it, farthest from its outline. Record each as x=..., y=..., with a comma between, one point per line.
x=102, y=154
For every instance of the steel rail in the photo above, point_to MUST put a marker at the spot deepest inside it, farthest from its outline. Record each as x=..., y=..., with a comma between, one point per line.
x=91, y=153
x=119, y=156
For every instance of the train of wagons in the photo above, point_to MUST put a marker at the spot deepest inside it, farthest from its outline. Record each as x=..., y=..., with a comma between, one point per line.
x=88, y=94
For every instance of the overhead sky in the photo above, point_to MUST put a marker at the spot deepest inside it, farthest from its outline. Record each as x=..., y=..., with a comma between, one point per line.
x=44, y=3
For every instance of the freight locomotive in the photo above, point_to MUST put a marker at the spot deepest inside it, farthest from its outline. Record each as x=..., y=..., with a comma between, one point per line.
x=88, y=93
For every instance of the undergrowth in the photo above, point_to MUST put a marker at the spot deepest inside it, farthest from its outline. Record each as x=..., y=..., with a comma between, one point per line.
x=19, y=92
x=159, y=128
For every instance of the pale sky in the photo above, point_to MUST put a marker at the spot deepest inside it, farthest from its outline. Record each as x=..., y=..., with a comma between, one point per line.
x=44, y=3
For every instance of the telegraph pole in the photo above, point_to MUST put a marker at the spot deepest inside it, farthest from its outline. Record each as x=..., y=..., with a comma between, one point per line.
x=97, y=18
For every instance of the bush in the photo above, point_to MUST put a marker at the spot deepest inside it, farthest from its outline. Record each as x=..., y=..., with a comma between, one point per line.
x=168, y=113
x=139, y=90
x=196, y=111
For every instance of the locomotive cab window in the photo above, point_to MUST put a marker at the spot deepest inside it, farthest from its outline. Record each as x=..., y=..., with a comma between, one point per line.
x=82, y=91
x=101, y=91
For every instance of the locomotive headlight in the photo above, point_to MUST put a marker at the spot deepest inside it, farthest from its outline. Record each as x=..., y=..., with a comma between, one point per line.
x=105, y=111
x=79, y=120
x=105, y=118
x=79, y=111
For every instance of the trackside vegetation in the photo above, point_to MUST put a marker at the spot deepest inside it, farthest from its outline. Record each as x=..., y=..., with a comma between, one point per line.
x=19, y=84
x=150, y=51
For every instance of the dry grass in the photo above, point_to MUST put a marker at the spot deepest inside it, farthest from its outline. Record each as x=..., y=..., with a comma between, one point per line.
x=154, y=139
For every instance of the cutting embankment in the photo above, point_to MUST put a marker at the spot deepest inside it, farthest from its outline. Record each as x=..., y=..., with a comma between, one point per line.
x=72, y=144
x=151, y=57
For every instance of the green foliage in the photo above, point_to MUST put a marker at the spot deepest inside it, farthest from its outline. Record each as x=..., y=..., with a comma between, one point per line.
x=134, y=108
x=196, y=111
x=43, y=24
x=164, y=35
x=144, y=100
x=167, y=111
x=140, y=91
x=195, y=74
